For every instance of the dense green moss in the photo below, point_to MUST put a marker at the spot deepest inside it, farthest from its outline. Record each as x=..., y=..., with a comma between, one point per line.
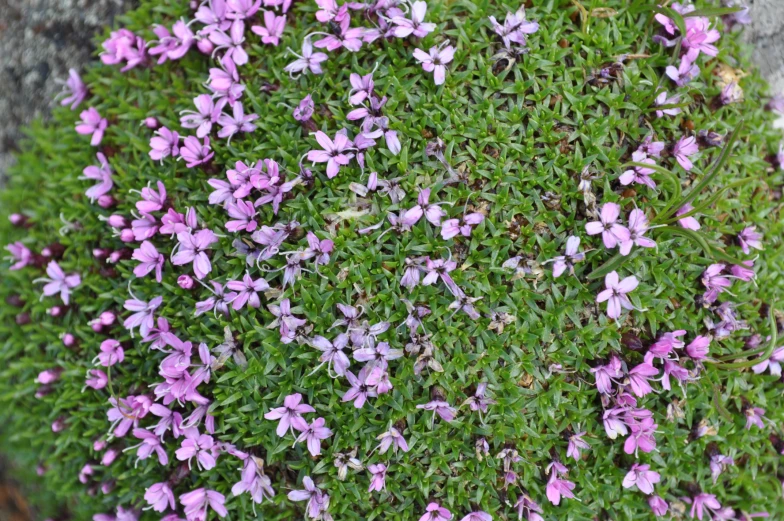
x=522, y=135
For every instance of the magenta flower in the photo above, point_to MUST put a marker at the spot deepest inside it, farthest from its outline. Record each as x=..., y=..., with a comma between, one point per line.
x=744, y=271
x=665, y=345
x=150, y=443
x=152, y=201
x=159, y=496
x=149, y=259
x=343, y=35
x=684, y=73
x=123, y=45
x=714, y=281
x=313, y=434
x=111, y=353
x=576, y=444
x=755, y=416
x=92, y=124
x=74, y=90
x=514, y=29
x=435, y=60
x=238, y=122
x=558, y=487
x=658, y=506
x=231, y=42
x=685, y=147
x=641, y=436
x=690, y=223
x=638, y=225
x=440, y=407
x=195, y=504
x=20, y=253
x=478, y=516
x=613, y=233
x=243, y=215
x=166, y=143
x=224, y=82
x=206, y=114
x=272, y=29
x=290, y=414
x=392, y=438
x=604, y=374
x=641, y=477
x=195, y=153
x=102, y=174
x=662, y=99
x=192, y=248
x=416, y=25
x=247, y=291
x=317, y=500
x=307, y=61
x=253, y=481
x=639, y=376
x=435, y=512
x=96, y=379
x=332, y=353
x=453, y=227
x=362, y=386
x=699, y=38
x=615, y=294
x=142, y=314
x=698, y=348
x=750, y=238
x=58, y=282
x=172, y=47
x=202, y=446
x=335, y=154
x=127, y=412
x=638, y=174
x=703, y=504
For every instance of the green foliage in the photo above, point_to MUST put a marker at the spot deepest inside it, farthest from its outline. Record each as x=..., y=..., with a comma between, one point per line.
x=522, y=137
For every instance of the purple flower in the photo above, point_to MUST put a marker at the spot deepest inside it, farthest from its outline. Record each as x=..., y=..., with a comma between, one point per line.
x=290, y=414
x=111, y=353
x=242, y=9
x=478, y=516
x=435, y=512
x=714, y=281
x=238, y=122
x=361, y=88
x=440, y=407
x=641, y=477
x=247, y=291
x=453, y=227
x=253, y=481
x=127, y=412
x=479, y=402
x=123, y=45
x=192, y=248
x=690, y=223
x=304, y=110
x=658, y=506
x=435, y=60
x=515, y=28
x=570, y=257
x=718, y=464
x=605, y=373
x=19, y=253
x=684, y=73
x=206, y=114
x=224, y=82
x=96, y=379
x=731, y=93
x=202, y=446
x=665, y=344
x=343, y=35
x=102, y=174
x=685, y=147
x=333, y=153
x=92, y=124
x=166, y=143
x=378, y=477
x=755, y=416
x=58, y=282
x=152, y=201
x=416, y=25
x=74, y=90
x=615, y=294
x=750, y=238
x=142, y=314
x=698, y=348
x=362, y=386
x=558, y=487
x=641, y=436
x=699, y=38
x=638, y=378
x=243, y=215
x=317, y=500
x=392, y=438
x=150, y=443
x=159, y=496
x=272, y=29
x=149, y=259
x=774, y=363
x=332, y=353
x=576, y=443
x=662, y=99
x=195, y=504
x=613, y=233
x=703, y=504
x=231, y=42
x=288, y=323
x=195, y=153
x=638, y=225
x=313, y=434
x=308, y=60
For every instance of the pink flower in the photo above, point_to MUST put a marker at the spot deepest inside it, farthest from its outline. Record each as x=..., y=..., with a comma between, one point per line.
x=253, y=481
x=570, y=257
x=615, y=294
x=243, y=214
x=750, y=238
x=416, y=25
x=290, y=414
x=308, y=60
x=192, y=248
x=774, y=363
x=361, y=88
x=231, y=42
x=111, y=353
x=58, y=282
x=641, y=477
x=613, y=233
x=195, y=153
x=166, y=143
x=685, y=147
x=440, y=407
x=638, y=225
x=92, y=124
x=699, y=38
x=690, y=223
x=514, y=29
x=658, y=506
x=641, y=436
x=392, y=438
x=272, y=30
x=159, y=496
x=714, y=281
x=74, y=90
x=558, y=487
x=435, y=512
x=638, y=378
x=478, y=516
x=638, y=174
x=313, y=434
x=576, y=443
x=698, y=348
x=200, y=445
x=744, y=271
x=662, y=99
x=142, y=314
x=332, y=353
x=238, y=122
x=452, y=227
x=242, y=9
x=123, y=45
x=703, y=504
x=102, y=174
x=333, y=153
x=195, y=504
x=378, y=477
x=304, y=110
x=363, y=386
x=127, y=412
x=247, y=291
x=684, y=73
x=317, y=500
x=605, y=373
x=435, y=60
x=343, y=35
x=150, y=443
x=96, y=379
x=19, y=253
x=149, y=260
x=152, y=201
x=755, y=416
x=206, y=114
x=665, y=345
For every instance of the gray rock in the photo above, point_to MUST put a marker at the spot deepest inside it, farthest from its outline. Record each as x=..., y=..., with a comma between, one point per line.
x=766, y=32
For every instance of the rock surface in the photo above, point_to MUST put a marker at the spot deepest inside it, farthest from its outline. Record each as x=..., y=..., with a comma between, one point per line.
x=41, y=39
